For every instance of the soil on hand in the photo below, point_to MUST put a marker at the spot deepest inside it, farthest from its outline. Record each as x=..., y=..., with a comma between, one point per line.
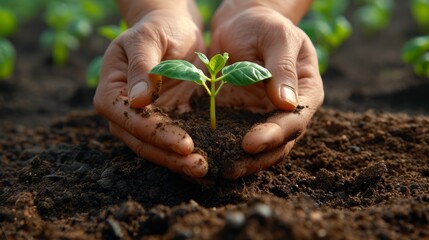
x=354, y=175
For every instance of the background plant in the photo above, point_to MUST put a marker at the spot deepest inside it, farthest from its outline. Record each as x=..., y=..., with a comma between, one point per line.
x=12, y=14
x=416, y=50
x=69, y=22
x=110, y=32
x=327, y=27
x=373, y=15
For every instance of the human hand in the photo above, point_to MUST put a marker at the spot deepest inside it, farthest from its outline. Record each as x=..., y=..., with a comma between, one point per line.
x=261, y=34
x=159, y=34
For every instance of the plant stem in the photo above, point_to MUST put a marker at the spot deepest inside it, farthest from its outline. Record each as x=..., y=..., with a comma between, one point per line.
x=213, y=103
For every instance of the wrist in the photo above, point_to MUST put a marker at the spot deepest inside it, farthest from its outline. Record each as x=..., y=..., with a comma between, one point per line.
x=133, y=10
x=294, y=10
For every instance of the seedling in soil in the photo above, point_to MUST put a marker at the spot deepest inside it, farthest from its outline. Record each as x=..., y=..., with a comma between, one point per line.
x=416, y=52
x=7, y=58
x=327, y=28
x=420, y=12
x=238, y=74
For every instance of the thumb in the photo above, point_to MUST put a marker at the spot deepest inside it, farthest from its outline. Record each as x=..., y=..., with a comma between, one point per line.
x=144, y=52
x=281, y=61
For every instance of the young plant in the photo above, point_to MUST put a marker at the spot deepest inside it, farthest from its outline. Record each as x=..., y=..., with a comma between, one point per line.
x=7, y=58
x=420, y=12
x=110, y=32
x=327, y=28
x=238, y=74
x=374, y=15
x=416, y=52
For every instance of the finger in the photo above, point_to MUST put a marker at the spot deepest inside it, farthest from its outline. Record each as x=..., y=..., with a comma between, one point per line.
x=151, y=126
x=110, y=101
x=144, y=48
x=258, y=163
x=280, y=51
x=274, y=132
x=286, y=126
x=193, y=165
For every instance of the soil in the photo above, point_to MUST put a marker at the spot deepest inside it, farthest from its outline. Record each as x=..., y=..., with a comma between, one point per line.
x=361, y=171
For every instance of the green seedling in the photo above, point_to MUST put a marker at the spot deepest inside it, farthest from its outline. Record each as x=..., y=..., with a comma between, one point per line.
x=327, y=28
x=71, y=21
x=420, y=11
x=7, y=59
x=8, y=22
x=93, y=72
x=110, y=32
x=416, y=52
x=238, y=74
x=374, y=15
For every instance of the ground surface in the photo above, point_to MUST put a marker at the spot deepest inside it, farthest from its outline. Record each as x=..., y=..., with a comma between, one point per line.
x=355, y=175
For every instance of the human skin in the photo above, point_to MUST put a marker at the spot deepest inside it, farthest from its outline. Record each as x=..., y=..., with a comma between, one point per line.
x=160, y=30
x=274, y=41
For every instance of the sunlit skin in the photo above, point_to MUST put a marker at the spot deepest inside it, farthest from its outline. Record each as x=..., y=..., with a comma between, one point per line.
x=164, y=32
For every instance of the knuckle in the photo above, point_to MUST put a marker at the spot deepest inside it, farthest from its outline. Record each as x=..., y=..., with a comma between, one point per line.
x=140, y=150
x=136, y=63
x=287, y=65
x=128, y=125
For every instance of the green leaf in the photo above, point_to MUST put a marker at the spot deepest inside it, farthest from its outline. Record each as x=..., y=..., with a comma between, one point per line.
x=180, y=70
x=244, y=73
x=414, y=48
x=80, y=28
x=8, y=23
x=110, y=32
x=203, y=58
x=323, y=58
x=217, y=62
x=7, y=58
x=420, y=11
x=93, y=72
x=421, y=65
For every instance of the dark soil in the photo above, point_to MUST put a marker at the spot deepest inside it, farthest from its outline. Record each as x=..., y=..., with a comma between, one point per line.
x=354, y=175
x=221, y=147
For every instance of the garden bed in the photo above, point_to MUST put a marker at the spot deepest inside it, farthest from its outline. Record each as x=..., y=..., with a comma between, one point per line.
x=355, y=174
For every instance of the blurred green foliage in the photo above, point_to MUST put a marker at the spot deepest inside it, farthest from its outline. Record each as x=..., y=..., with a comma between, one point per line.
x=416, y=50
x=373, y=15
x=420, y=12
x=7, y=58
x=8, y=22
x=110, y=32
x=327, y=28
x=69, y=22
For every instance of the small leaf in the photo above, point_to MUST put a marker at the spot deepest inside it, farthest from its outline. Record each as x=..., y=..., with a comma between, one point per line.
x=244, y=73
x=421, y=65
x=7, y=58
x=217, y=62
x=415, y=47
x=179, y=69
x=203, y=58
x=93, y=72
x=110, y=32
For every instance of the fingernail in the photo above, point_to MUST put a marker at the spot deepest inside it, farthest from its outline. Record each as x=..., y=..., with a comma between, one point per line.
x=138, y=90
x=288, y=94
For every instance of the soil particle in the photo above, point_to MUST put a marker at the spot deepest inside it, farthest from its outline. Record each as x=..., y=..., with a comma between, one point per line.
x=321, y=189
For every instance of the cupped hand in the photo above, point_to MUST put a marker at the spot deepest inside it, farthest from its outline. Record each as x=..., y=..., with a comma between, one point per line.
x=125, y=83
x=264, y=36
